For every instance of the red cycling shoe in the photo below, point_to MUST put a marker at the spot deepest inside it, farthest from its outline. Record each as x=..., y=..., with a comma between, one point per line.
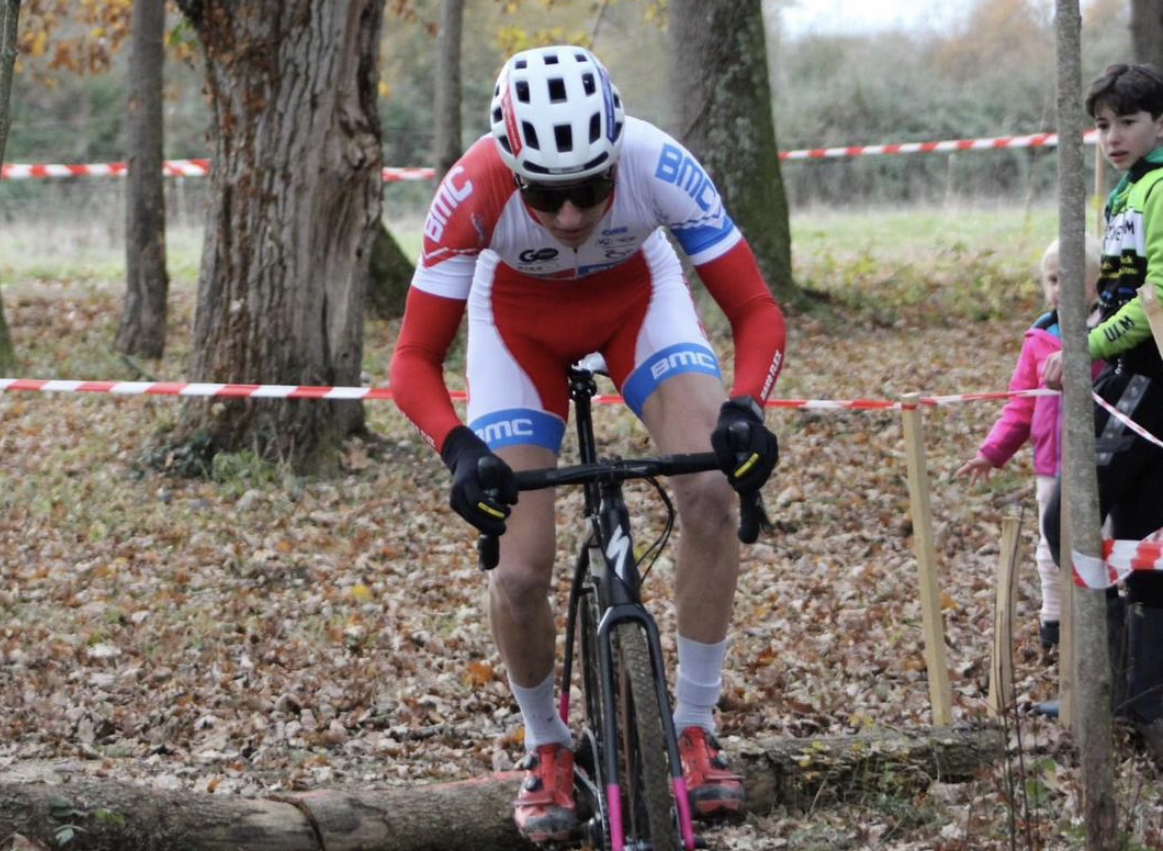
x=545, y=810
x=714, y=789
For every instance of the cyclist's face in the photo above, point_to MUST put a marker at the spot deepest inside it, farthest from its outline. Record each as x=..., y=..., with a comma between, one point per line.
x=570, y=211
x=1126, y=139
x=571, y=225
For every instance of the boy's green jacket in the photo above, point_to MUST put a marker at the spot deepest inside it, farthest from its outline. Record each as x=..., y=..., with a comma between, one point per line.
x=1132, y=255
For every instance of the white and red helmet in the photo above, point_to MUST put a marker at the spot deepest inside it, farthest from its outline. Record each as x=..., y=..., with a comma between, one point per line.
x=556, y=116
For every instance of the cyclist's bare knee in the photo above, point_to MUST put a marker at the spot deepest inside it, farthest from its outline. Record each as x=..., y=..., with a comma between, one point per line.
x=519, y=584
x=707, y=505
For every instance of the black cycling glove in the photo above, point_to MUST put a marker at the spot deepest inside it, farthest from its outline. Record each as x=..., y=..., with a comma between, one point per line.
x=747, y=452
x=481, y=500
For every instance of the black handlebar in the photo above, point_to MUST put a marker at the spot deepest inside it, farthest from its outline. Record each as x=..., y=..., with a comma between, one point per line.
x=752, y=516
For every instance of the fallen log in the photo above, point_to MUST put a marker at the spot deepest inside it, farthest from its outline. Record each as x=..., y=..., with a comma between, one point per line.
x=39, y=803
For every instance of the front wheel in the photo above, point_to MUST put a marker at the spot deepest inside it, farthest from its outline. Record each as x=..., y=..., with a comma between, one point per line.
x=648, y=793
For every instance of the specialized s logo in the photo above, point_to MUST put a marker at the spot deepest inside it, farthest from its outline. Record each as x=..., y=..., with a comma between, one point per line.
x=618, y=551
x=537, y=255
x=448, y=197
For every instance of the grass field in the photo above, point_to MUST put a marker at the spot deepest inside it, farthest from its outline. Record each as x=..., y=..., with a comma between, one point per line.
x=1012, y=236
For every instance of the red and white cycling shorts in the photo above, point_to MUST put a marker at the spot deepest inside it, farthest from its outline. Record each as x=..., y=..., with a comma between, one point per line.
x=525, y=332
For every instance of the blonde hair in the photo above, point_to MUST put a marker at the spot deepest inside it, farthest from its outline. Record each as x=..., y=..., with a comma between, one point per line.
x=1093, y=258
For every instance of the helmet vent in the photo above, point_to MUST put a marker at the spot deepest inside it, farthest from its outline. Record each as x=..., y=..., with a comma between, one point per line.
x=595, y=127
x=522, y=91
x=520, y=63
x=563, y=136
x=550, y=59
x=596, y=161
x=503, y=141
x=530, y=134
x=556, y=90
x=497, y=115
x=588, y=85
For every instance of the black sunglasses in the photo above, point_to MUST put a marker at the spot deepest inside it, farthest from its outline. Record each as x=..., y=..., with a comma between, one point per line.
x=549, y=199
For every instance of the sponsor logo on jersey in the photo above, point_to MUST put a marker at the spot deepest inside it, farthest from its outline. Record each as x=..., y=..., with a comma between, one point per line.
x=537, y=255
x=448, y=197
x=674, y=166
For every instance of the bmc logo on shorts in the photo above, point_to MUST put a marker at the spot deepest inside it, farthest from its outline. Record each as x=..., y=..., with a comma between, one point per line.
x=505, y=430
x=687, y=360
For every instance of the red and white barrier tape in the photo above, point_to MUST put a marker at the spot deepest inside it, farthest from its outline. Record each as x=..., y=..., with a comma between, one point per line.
x=171, y=168
x=293, y=391
x=1034, y=140
x=201, y=167
x=1119, y=557
x=304, y=391
x=1119, y=560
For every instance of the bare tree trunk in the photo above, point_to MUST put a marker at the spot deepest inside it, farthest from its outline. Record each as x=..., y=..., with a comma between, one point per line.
x=723, y=115
x=9, y=14
x=391, y=274
x=296, y=199
x=142, y=330
x=1092, y=701
x=447, y=145
x=1147, y=31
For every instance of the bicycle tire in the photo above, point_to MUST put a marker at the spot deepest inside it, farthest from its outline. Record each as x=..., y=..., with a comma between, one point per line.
x=648, y=788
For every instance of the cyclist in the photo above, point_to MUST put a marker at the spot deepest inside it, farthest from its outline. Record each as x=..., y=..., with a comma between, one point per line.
x=549, y=229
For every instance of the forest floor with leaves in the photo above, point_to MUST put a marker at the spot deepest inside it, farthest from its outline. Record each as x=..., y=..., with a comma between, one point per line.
x=255, y=632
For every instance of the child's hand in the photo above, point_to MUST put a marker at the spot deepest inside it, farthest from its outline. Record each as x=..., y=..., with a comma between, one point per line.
x=1052, y=371
x=977, y=469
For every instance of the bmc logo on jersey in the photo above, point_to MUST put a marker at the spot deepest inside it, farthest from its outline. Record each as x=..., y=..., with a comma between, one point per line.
x=674, y=166
x=537, y=255
x=448, y=197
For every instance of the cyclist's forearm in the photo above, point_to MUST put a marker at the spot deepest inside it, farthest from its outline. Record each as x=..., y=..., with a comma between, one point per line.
x=417, y=370
x=757, y=323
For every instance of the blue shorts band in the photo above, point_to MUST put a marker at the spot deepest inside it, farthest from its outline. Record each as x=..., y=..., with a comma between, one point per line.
x=664, y=364
x=520, y=427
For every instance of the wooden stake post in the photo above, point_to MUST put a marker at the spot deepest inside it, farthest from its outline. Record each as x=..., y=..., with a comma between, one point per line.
x=940, y=693
x=1001, y=669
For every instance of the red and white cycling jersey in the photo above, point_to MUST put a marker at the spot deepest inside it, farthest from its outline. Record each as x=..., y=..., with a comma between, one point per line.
x=536, y=305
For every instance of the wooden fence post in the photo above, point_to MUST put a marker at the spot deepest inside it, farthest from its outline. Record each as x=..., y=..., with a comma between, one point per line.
x=940, y=693
x=1001, y=668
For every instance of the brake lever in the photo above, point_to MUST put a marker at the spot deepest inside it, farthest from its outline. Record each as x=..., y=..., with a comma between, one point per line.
x=753, y=517
x=489, y=546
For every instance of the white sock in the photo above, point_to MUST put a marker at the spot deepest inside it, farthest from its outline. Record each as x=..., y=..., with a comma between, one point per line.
x=543, y=726
x=700, y=682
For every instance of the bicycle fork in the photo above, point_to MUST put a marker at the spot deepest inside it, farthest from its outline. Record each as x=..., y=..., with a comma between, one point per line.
x=616, y=577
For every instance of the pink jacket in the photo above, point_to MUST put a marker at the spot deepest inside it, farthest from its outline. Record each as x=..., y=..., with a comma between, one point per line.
x=1036, y=418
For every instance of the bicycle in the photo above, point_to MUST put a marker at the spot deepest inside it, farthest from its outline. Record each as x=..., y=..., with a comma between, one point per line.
x=628, y=773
